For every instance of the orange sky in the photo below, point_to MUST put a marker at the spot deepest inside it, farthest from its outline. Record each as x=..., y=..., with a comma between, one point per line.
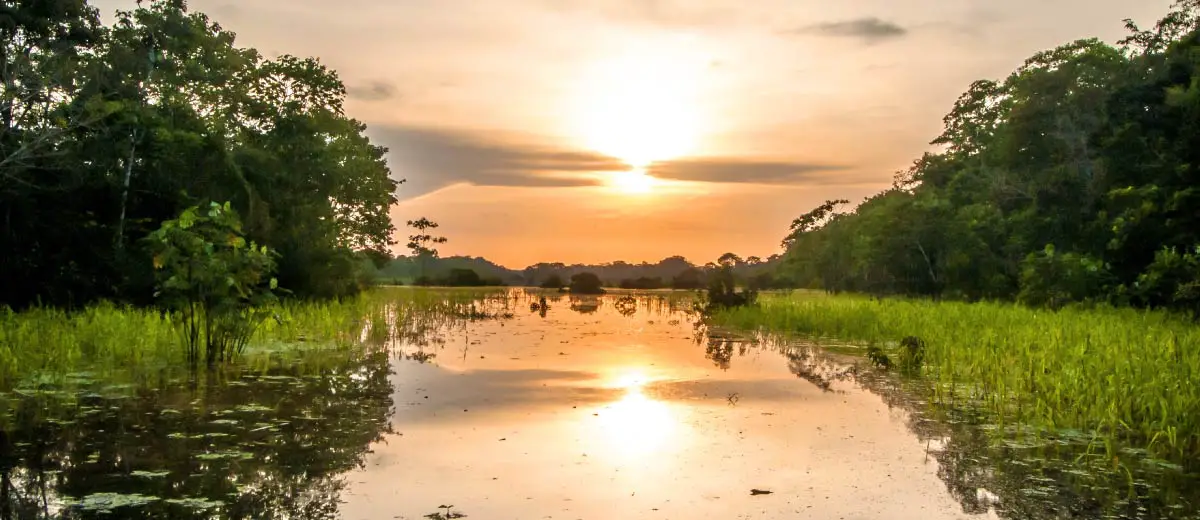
x=514, y=122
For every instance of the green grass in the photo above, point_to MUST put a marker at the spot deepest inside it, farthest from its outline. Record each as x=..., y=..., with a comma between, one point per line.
x=1126, y=376
x=49, y=345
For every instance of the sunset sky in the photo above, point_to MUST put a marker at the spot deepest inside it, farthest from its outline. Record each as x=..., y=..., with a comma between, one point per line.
x=517, y=123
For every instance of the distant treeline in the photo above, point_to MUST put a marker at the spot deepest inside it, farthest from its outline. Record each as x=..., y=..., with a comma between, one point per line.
x=1077, y=178
x=670, y=273
x=108, y=131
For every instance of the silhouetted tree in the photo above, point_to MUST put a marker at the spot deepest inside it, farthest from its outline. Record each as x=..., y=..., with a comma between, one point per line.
x=421, y=244
x=586, y=283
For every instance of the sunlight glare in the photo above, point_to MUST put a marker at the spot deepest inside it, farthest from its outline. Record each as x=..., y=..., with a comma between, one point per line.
x=644, y=106
x=637, y=424
x=633, y=181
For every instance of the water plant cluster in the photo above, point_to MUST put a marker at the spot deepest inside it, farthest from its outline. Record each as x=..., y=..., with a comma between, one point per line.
x=1116, y=377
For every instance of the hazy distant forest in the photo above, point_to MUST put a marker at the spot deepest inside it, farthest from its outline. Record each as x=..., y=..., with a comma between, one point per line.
x=1074, y=179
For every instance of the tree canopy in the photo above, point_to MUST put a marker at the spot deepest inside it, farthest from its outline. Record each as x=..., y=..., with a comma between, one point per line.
x=1075, y=178
x=108, y=131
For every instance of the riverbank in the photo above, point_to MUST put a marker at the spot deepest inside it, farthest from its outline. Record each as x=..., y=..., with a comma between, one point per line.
x=1117, y=377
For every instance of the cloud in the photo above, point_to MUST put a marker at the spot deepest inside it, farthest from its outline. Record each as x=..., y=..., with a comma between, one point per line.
x=745, y=171
x=372, y=91
x=433, y=158
x=870, y=29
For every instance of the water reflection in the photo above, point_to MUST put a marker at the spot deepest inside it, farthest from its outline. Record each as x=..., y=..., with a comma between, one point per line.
x=585, y=304
x=636, y=425
x=236, y=445
x=627, y=305
x=993, y=470
x=586, y=407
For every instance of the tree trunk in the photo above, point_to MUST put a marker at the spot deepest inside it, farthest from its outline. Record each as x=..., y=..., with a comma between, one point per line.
x=125, y=190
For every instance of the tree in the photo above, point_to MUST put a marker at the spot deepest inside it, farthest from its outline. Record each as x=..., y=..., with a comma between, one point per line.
x=812, y=220
x=1074, y=178
x=729, y=259
x=586, y=283
x=458, y=277
x=690, y=278
x=554, y=281
x=421, y=244
x=107, y=132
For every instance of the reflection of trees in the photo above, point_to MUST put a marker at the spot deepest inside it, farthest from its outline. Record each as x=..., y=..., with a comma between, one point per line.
x=810, y=364
x=626, y=305
x=985, y=467
x=254, y=446
x=720, y=351
x=585, y=305
x=1021, y=476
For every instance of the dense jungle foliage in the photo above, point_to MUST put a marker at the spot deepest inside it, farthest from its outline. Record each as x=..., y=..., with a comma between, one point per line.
x=1077, y=178
x=106, y=132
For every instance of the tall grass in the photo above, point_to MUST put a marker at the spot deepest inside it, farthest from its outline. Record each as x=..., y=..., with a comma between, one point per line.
x=45, y=345
x=41, y=340
x=1123, y=375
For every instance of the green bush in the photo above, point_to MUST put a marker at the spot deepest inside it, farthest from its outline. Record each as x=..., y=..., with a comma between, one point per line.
x=216, y=282
x=1173, y=279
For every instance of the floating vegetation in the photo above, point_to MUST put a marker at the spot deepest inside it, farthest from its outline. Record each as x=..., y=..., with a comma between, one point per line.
x=107, y=502
x=258, y=461
x=231, y=454
x=195, y=503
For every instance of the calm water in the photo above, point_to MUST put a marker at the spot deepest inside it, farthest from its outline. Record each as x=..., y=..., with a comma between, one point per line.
x=616, y=407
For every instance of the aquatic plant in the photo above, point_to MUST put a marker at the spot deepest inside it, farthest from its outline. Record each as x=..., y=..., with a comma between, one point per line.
x=1128, y=376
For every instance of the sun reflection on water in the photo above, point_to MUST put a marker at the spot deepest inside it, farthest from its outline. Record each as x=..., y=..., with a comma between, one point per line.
x=637, y=424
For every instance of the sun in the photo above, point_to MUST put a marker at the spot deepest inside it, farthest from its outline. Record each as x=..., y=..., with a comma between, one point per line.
x=642, y=107
x=633, y=181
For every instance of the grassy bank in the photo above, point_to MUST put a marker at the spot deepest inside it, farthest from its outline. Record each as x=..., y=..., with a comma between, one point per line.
x=49, y=345
x=1124, y=375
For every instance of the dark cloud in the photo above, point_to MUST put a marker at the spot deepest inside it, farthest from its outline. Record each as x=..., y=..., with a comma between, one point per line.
x=870, y=29
x=433, y=158
x=745, y=171
x=372, y=91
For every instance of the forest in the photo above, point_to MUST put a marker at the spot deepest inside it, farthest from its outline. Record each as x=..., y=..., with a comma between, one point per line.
x=106, y=132
x=675, y=272
x=1074, y=179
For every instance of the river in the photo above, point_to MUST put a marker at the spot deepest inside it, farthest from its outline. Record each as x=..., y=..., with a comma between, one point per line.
x=620, y=406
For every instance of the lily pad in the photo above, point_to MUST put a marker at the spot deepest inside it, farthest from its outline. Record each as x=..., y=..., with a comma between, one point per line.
x=106, y=502
x=195, y=503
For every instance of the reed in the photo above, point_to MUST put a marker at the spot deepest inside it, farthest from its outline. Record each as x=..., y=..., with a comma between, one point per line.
x=1119, y=375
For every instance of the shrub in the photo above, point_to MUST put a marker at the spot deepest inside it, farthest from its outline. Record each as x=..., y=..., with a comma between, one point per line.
x=216, y=282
